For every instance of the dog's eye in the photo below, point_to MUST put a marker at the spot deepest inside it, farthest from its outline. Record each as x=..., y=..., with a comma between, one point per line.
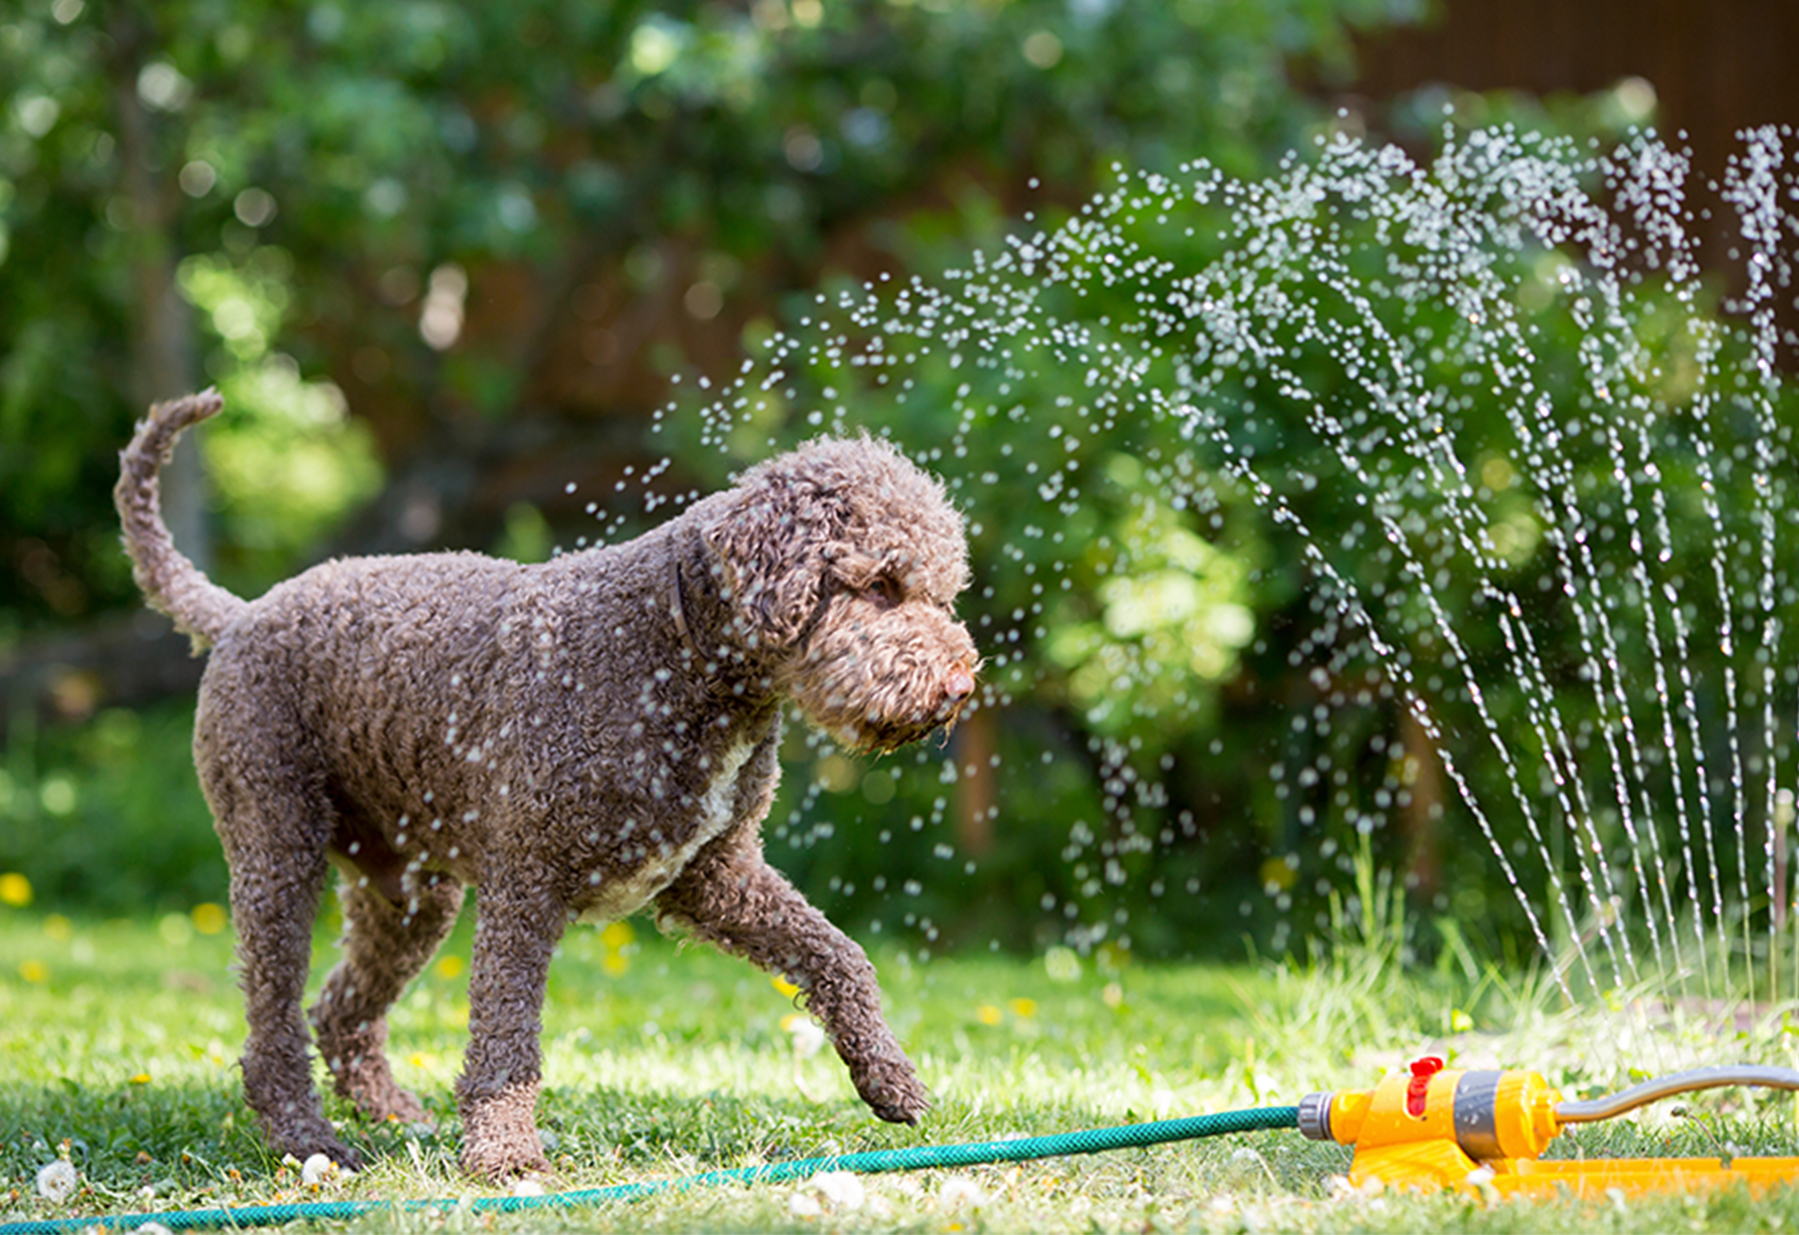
x=883, y=591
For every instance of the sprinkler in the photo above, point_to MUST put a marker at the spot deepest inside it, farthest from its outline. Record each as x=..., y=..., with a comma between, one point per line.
x=1436, y=1127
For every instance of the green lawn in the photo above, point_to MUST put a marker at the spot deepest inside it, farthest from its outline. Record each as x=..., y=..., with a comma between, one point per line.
x=118, y=1041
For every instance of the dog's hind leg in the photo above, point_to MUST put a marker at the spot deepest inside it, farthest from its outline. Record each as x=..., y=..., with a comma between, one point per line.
x=384, y=947
x=735, y=901
x=274, y=820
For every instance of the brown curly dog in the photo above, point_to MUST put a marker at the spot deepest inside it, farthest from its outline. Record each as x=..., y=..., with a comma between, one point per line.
x=578, y=739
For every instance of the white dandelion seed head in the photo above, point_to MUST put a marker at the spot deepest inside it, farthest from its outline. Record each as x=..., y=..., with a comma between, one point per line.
x=839, y=1190
x=319, y=1170
x=958, y=1191
x=58, y=1181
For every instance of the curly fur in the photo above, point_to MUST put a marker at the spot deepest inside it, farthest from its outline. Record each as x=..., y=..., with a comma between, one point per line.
x=583, y=738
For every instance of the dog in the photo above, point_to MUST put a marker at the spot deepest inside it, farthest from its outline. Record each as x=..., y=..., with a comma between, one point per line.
x=579, y=739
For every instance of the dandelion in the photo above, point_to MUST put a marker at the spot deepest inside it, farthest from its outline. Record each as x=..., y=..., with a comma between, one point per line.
x=616, y=939
x=449, y=967
x=34, y=971
x=15, y=890
x=142, y=1078
x=839, y=1190
x=958, y=1191
x=987, y=1014
x=788, y=990
x=318, y=1170
x=57, y=1181
x=209, y=919
x=1024, y=1009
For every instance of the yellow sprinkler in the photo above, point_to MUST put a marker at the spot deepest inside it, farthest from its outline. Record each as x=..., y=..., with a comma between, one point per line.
x=1437, y=1127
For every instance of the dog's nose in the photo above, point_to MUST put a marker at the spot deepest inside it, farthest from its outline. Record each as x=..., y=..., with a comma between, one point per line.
x=959, y=684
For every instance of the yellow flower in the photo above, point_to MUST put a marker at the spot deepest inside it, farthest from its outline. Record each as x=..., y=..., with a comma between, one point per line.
x=617, y=935
x=987, y=1014
x=15, y=890
x=1277, y=873
x=615, y=963
x=1023, y=1008
x=142, y=1078
x=209, y=919
x=788, y=990
x=34, y=971
x=59, y=928
x=449, y=967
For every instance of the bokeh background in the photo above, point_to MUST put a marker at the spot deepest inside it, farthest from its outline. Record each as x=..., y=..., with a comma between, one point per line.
x=446, y=262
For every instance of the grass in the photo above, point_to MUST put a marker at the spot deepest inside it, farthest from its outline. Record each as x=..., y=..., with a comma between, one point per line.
x=118, y=1042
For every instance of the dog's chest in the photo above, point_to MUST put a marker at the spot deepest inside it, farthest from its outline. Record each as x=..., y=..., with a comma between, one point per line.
x=620, y=891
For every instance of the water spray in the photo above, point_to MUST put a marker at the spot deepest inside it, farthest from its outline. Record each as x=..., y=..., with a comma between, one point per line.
x=1435, y=1127
x=1428, y=1129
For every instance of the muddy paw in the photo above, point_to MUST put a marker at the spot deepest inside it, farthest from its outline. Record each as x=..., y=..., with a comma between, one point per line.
x=506, y=1163
x=499, y=1135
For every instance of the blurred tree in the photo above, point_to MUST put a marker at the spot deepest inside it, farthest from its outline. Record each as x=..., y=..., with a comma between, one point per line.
x=463, y=248
x=487, y=225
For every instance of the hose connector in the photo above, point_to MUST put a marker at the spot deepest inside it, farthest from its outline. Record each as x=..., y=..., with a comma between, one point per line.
x=1315, y=1116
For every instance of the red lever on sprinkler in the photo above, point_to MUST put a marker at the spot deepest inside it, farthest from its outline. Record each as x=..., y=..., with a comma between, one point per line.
x=1419, y=1088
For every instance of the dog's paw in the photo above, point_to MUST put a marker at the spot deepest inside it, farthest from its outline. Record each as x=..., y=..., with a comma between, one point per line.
x=892, y=1090
x=499, y=1135
x=506, y=1163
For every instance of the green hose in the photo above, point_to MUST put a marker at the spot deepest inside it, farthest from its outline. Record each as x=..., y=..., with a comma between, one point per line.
x=918, y=1158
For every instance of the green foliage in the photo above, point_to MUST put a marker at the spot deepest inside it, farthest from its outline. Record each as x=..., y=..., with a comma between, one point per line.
x=108, y=817
x=338, y=188
x=386, y=223
x=346, y=164
x=287, y=463
x=1475, y=445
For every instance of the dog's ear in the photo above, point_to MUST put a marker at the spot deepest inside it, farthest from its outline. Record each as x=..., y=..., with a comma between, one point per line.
x=775, y=546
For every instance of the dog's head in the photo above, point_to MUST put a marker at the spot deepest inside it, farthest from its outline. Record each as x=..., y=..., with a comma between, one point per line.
x=843, y=560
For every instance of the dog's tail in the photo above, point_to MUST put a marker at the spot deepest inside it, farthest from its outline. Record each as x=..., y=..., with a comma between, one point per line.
x=201, y=608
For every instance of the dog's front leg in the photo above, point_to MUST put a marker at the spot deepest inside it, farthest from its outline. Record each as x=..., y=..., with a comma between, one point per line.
x=730, y=897
x=516, y=930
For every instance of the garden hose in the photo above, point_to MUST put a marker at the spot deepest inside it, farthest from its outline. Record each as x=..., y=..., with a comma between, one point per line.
x=917, y=1158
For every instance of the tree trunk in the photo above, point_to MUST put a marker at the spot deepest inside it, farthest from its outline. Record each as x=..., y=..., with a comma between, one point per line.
x=162, y=323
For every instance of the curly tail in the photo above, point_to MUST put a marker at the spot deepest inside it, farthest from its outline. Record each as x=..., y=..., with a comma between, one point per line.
x=201, y=609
